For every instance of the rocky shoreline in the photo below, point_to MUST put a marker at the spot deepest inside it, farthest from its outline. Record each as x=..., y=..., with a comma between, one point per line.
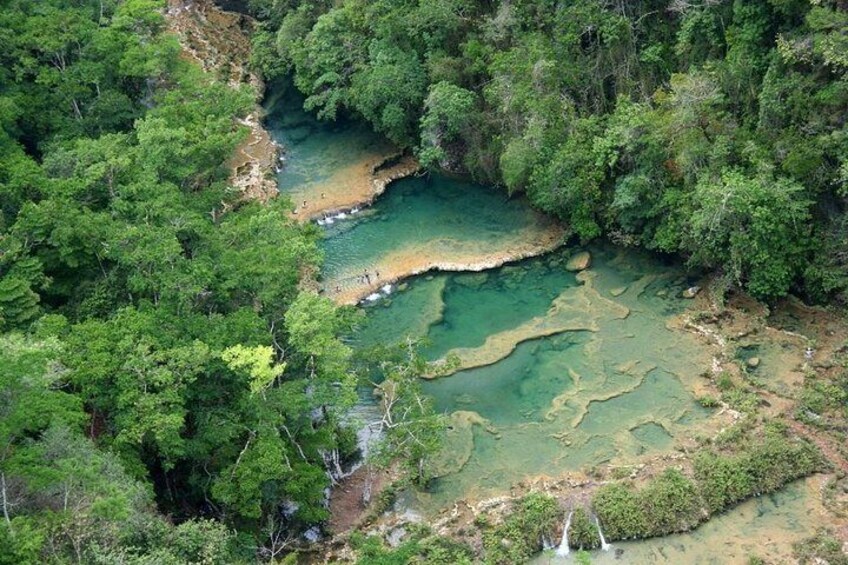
x=403, y=265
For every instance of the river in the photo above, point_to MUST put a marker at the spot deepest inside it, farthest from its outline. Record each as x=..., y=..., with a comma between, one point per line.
x=559, y=371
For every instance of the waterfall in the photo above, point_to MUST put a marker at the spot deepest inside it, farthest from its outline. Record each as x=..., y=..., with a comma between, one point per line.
x=563, y=549
x=604, y=545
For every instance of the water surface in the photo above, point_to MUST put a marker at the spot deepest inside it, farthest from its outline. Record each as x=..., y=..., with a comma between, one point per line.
x=429, y=222
x=558, y=403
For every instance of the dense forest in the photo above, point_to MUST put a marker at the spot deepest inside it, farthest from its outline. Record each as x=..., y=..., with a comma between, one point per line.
x=711, y=129
x=157, y=357
x=170, y=390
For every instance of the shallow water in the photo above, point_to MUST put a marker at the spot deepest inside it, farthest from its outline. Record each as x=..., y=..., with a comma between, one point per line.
x=561, y=372
x=764, y=527
x=318, y=156
x=557, y=403
x=453, y=310
x=428, y=222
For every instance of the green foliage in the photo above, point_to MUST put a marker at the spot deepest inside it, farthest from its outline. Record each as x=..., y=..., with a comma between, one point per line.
x=755, y=227
x=583, y=533
x=412, y=430
x=709, y=131
x=448, y=112
x=420, y=546
x=172, y=363
x=620, y=511
x=673, y=503
x=822, y=547
x=520, y=535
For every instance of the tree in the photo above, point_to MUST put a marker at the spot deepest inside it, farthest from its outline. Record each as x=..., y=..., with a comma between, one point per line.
x=448, y=111
x=755, y=228
x=413, y=431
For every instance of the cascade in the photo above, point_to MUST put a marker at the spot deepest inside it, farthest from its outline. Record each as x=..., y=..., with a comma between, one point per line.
x=563, y=549
x=604, y=545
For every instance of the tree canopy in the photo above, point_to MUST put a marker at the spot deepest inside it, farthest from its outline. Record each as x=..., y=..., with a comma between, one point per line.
x=622, y=119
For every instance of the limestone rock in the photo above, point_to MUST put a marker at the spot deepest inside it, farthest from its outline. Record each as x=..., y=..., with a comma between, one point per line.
x=579, y=261
x=616, y=292
x=691, y=292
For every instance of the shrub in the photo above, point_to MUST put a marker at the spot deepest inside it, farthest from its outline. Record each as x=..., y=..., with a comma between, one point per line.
x=722, y=480
x=671, y=503
x=674, y=503
x=583, y=533
x=520, y=535
x=621, y=514
x=822, y=547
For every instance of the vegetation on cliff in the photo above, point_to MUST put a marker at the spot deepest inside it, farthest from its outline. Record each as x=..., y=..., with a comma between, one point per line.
x=715, y=130
x=158, y=363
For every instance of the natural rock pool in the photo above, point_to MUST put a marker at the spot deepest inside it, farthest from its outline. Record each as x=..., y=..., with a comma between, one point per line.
x=557, y=371
x=574, y=370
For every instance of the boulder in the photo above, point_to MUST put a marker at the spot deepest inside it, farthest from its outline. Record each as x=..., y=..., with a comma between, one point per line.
x=691, y=292
x=753, y=362
x=579, y=262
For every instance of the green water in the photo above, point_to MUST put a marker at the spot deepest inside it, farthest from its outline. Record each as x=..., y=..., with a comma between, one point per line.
x=557, y=403
x=425, y=219
x=314, y=151
x=453, y=310
x=616, y=384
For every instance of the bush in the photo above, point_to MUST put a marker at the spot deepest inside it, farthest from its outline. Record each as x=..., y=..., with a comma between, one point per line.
x=583, y=533
x=822, y=547
x=674, y=503
x=671, y=503
x=723, y=481
x=777, y=461
x=520, y=535
x=421, y=547
x=620, y=511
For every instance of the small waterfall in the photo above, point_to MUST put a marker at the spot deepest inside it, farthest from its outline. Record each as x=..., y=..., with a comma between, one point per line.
x=604, y=545
x=547, y=544
x=563, y=549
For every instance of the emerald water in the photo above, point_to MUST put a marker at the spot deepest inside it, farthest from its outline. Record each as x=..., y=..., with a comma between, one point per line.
x=453, y=310
x=428, y=222
x=621, y=387
x=557, y=372
x=318, y=156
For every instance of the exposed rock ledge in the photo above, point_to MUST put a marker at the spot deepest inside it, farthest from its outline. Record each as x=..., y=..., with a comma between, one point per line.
x=353, y=187
x=420, y=259
x=219, y=42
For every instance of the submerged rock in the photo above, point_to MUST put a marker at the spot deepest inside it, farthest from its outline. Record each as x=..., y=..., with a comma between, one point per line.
x=579, y=261
x=474, y=280
x=691, y=292
x=616, y=292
